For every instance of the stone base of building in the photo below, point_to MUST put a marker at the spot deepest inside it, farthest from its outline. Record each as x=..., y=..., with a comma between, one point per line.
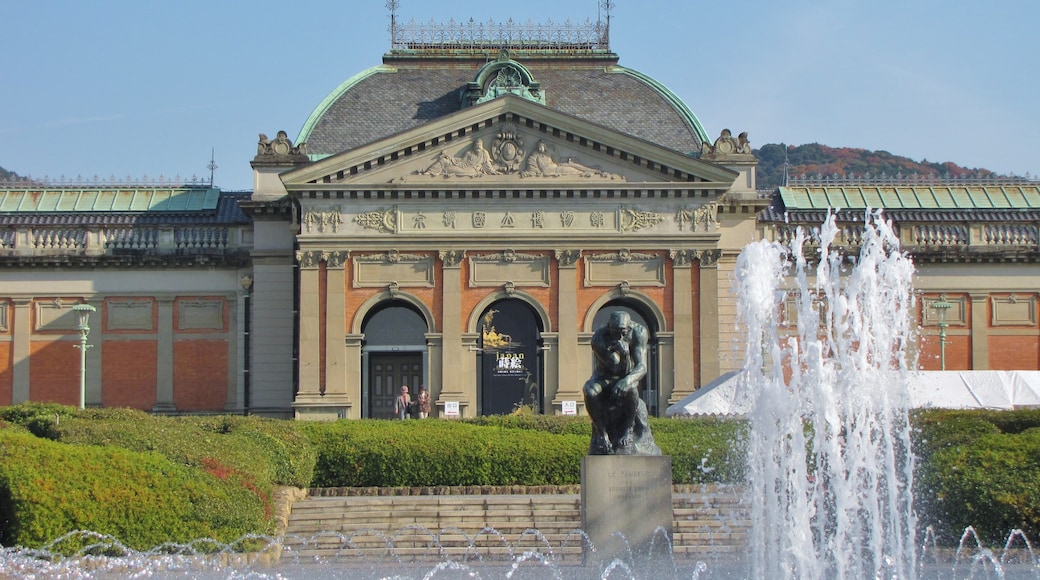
x=323, y=408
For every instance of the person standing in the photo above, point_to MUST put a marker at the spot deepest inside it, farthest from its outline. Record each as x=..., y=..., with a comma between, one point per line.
x=402, y=402
x=423, y=401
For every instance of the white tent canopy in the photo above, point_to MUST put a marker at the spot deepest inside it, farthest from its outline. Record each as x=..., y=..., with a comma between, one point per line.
x=928, y=389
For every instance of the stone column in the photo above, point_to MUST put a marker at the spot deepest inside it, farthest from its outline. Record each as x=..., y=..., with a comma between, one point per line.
x=458, y=372
x=353, y=375
x=710, y=349
x=434, y=366
x=164, y=364
x=979, y=332
x=309, y=357
x=21, y=349
x=683, y=380
x=336, y=366
x=550, y=357
x=569, y=379
x=667, y=359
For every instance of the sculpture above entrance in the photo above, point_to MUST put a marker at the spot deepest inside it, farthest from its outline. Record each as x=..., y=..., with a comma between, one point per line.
x=507, y=158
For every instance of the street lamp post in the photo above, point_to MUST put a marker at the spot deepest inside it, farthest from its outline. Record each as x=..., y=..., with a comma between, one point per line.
x=941, y=306
x=83, y=311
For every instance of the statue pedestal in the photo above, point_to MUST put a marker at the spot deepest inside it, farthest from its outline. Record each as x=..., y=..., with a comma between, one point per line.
x=630, y=495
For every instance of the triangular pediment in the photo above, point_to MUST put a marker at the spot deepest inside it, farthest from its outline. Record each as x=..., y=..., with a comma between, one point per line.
x=507, y=142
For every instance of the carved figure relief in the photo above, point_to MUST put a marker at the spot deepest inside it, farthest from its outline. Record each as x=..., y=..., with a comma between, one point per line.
x=541, y=164
x=508, y=156
x=474, y=162
x=727, y=147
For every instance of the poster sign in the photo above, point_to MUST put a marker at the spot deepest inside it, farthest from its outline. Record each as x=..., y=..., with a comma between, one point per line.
x=570, y=407
x=451, y=408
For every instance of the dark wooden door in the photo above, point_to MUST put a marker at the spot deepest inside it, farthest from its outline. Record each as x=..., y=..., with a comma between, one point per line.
x=387, y=372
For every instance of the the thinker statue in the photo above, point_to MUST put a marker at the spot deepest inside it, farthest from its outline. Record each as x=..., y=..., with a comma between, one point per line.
x=620, y=423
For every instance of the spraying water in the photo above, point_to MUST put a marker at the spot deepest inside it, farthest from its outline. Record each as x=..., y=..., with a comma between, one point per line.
x=829, y=460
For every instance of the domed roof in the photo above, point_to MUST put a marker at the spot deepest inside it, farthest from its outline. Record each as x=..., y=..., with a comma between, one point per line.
x=413, y=87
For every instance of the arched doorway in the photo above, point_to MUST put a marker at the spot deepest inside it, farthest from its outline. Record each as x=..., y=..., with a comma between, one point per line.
x=649, y=386
x=394, y=355
x=509, y=366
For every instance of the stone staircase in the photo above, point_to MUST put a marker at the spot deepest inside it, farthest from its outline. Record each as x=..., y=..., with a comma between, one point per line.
x=708, y=520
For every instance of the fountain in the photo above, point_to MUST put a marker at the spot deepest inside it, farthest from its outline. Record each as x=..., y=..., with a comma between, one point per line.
x=830, y=465
x=829, y=460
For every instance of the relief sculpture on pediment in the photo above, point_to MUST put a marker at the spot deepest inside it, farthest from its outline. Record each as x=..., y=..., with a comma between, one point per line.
x=540, y=163
x=474, y=162
x=508, y=156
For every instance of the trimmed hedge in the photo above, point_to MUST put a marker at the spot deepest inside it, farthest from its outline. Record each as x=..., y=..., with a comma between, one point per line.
x=979, y=469
x=506, y=450
x=143, y=499
x=435, y=453
x=148, y=479
x=222, y=443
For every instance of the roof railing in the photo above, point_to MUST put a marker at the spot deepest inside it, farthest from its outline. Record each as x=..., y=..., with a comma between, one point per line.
x=80, y=182
x=899, y=179
x=473, y=35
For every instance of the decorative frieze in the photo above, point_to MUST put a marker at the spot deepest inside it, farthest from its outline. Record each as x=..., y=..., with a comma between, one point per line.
x=322, y=221
x=632, y=220
x=956, y=314
x=378, y=270
x=130, y=314
x=200, y=314
x=509, y=266
x=1014, y=310
x=55, y=315
x=638, y=269
x=703, y=218
x=381, y=220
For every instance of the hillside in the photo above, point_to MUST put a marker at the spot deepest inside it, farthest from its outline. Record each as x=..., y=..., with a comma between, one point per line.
x=815, y=159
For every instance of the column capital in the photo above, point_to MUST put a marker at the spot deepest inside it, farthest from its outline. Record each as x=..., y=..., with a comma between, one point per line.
x=335, y=259
x=682, y=258
x=309, y=259
x=710, y=258
x=568, y=258
x=451, y=258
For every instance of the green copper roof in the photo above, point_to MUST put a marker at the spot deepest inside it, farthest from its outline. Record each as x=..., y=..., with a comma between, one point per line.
x=672, y=99
x=938, y=197
x=328, y=101
x=116, y=199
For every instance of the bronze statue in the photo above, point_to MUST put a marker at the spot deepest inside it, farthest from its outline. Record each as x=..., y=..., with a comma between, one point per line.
x=620, y=422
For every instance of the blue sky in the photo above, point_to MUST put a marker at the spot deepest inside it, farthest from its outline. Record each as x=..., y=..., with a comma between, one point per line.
x=140, y=87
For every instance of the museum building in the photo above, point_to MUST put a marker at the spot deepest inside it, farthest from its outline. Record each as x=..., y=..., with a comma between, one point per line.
x=462, y=216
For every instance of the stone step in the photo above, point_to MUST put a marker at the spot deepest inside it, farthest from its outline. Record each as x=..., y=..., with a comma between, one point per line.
x=489, y=526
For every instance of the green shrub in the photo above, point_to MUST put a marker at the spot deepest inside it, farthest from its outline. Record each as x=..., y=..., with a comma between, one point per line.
x=142, y=499
x=703, y=450
x=991, y=483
